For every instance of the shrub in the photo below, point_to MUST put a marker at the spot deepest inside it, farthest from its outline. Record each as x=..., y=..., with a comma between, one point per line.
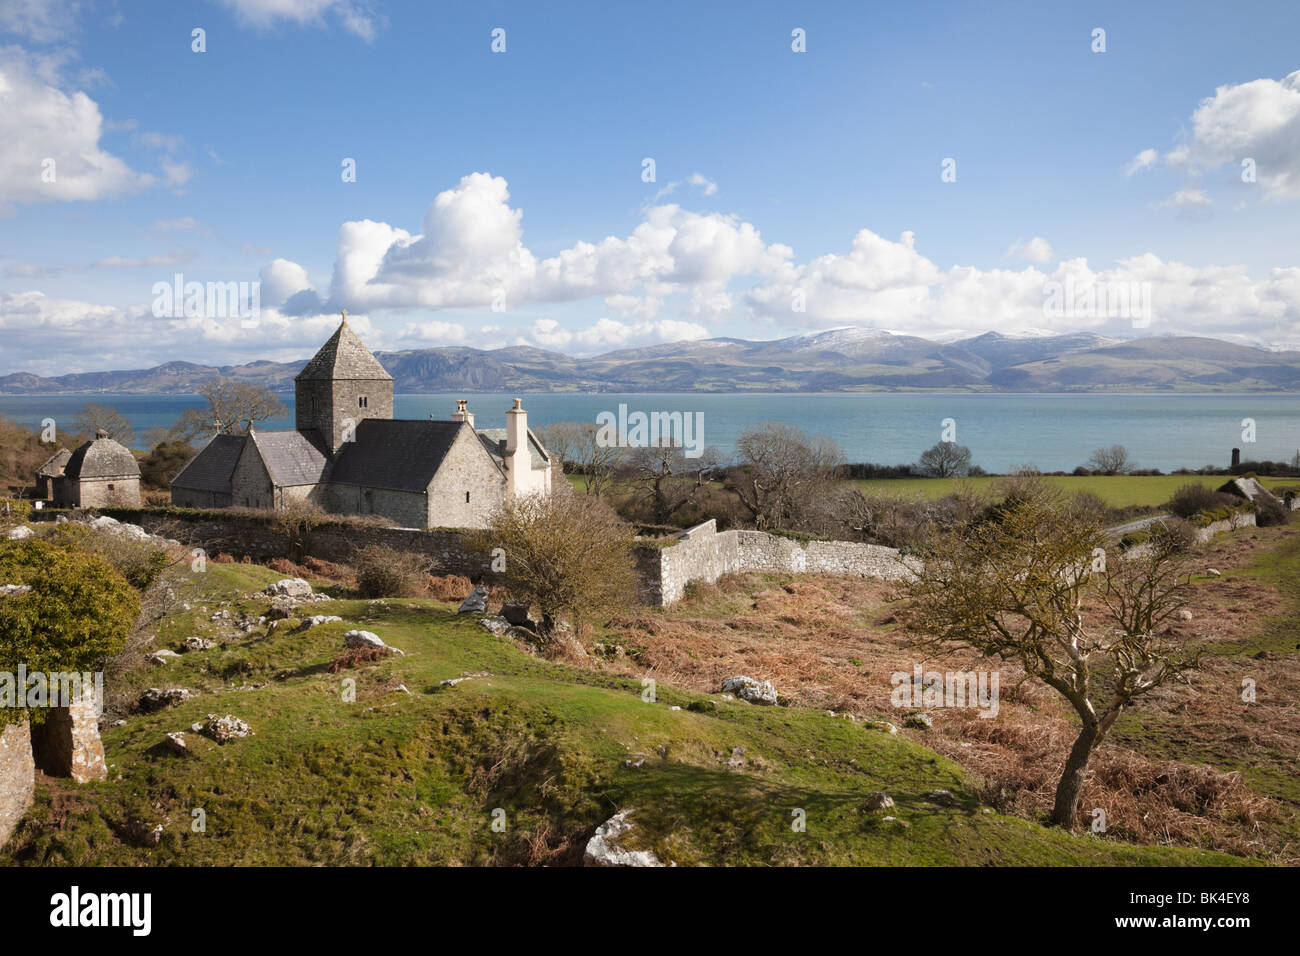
x=1190, y=500
x=1271, y=512
x=14, y=511
x=140, y=562
x=78, y=612
x=383, y=572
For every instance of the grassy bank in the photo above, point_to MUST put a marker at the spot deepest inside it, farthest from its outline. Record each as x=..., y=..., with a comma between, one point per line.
x=413, y=770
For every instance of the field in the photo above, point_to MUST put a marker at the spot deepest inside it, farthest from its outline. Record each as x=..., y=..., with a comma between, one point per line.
x=1118, y=491
x=415, y=771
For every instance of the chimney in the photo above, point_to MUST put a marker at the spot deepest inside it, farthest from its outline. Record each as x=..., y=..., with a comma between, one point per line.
x=462, y=413
x=516, y=456
x=1236, y=457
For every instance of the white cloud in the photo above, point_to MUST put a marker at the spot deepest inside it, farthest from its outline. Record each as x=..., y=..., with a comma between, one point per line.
x=471, y=254
x=708, y=186
x=162, y=261
x=1143, y=160
x=606, y=333
x=41, y=21
x=356, y=17
x=1036, y=249
x=39, y=122
x=1257, y=120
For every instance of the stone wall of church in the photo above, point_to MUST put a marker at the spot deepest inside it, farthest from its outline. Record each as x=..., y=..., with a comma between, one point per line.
x=467, y=487
x=250, y=485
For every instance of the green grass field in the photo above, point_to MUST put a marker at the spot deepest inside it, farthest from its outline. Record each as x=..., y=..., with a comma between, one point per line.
x=1118, y=491
x=402, y=778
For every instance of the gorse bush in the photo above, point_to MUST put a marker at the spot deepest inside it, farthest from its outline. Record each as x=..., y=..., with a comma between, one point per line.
x=1190, y=500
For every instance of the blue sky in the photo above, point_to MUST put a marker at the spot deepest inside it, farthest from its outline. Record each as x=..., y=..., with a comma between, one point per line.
x=516, y=177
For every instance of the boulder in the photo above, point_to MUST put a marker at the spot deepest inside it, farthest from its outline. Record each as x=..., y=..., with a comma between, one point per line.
x=294, y=588
x=224, y=729
x=516, y=612
x=11, y=590
x=21, y=533
x=198, y=644
x=162, y=657
x=317, y=620
x=476, y=602
x=918, y=720
x=605, y=847
x=884, y=725
x=1184, y=614
x=279, y=611
x=155, y=699
x=879, y=801
x=175, y=742
x=354, y=638
x=746, y=688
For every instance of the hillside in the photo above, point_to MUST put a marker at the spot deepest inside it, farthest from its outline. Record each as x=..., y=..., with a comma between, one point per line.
x=852, y=359
x=413, y=770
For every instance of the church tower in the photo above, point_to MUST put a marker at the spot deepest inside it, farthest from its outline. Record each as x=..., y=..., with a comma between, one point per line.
x=339, y=387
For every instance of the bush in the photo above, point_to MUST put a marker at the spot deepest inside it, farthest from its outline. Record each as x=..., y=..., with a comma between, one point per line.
x=383, y=572
x=14, y=511
x=1271, y=512
x=1190, y=500
x=78, y=612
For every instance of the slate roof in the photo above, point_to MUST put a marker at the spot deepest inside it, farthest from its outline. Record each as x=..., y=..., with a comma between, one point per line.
x=54, y=465
x=494, y=440
x=293, y=457
x=211, y=468
x=101, y=458
x=402, y=455
x=344, y=356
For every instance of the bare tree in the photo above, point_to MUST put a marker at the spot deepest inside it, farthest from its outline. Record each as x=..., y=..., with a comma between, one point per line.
x=1013, y=586
x=94, y=418
x=667, y=480
x=1110, y=461
x=945, y=460
x=576, y=444
x=233, y=407
x=569, y=556
x=782, y=470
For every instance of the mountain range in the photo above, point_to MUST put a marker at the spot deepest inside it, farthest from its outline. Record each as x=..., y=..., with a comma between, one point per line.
x=849, y=359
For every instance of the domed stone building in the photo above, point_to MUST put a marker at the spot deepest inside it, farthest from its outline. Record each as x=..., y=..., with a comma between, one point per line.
x=99, y=474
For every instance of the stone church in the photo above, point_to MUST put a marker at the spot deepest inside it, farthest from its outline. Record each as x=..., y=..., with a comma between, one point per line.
x=348, y=455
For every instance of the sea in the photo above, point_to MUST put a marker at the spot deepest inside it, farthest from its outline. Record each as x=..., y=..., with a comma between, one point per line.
x=1054, y=432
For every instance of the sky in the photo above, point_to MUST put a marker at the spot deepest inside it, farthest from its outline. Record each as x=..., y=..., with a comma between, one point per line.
x=587, y=177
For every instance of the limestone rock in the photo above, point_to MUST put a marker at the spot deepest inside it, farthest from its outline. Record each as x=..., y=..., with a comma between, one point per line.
x=357, y=638
x=516, y=612
x=496, y=624
x=879, y=801
x=21, y=533
x=317, y=620
x=1184, y=614
x=198, y=644
x=476, y=602
x=294, y=588
x=12, y=590
x=605, y=847
x=918, y=720
x=155, y=699
x=175, y=742
x=225, y=729
x=884, y=725
x=746, y=688
x=162, y=657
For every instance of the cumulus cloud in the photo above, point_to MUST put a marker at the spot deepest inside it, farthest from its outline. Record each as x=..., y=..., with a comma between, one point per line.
x=1258, y=120
x=607, y=333
x=471, y=253
x=1036, y=249
x=355, y=17
x=41, y=21
x=51, y=138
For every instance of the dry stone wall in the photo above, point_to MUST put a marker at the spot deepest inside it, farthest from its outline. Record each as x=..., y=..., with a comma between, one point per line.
x=705, y=554
x=17, y=776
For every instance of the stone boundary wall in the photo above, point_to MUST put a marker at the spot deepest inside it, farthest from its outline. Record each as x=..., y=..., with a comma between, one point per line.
x=1244, y=519
x=702, y=553
x=330, y=541
x=17, y=776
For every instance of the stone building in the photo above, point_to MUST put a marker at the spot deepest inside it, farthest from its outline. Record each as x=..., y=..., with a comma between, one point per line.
x=51, y=470
x=348, y=455
x=98, y=474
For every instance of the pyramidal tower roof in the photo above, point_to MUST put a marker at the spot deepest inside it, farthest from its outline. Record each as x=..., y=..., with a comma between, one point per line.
x=344, y=356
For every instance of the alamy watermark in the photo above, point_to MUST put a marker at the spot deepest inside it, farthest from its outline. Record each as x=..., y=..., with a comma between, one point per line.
x=179, y=299
x=922, y=689
x=1092, y=300
x=41, y=689
x=638, y=429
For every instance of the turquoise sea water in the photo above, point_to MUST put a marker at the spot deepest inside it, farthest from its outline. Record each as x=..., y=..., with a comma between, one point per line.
x=1054, y=432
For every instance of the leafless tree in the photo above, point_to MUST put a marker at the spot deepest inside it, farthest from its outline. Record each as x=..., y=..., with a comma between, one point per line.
x=945, y=460
x=782, y=470
x=94, y=418
x=233, y=407
x=1014, y=585
x=576, y=444
x=1109, y=461
x=667, y=480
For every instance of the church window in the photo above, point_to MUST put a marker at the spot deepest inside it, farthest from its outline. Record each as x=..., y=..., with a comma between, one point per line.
x=361, y=402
